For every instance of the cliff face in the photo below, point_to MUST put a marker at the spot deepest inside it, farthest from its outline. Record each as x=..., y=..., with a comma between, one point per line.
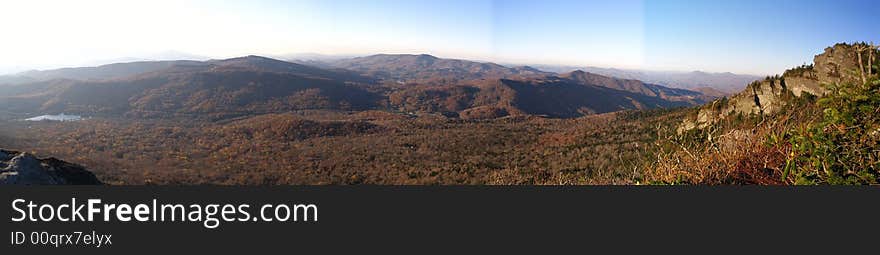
x=838, y=64
x=26, y=169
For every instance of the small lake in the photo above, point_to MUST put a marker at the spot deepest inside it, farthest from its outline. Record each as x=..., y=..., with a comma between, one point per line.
x=59, y=117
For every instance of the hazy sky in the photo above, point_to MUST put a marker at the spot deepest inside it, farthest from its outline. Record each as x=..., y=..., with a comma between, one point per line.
x=756, y=37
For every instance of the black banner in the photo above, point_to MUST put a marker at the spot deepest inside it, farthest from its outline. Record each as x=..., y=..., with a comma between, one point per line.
x=413, y=220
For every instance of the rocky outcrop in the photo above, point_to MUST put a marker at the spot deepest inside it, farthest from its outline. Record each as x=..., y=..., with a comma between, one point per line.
x=799, y=85
x=759, y=98
x=838, y=64
x=26, y=169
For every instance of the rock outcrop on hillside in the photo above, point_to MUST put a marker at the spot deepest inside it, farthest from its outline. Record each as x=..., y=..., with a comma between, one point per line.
x=26, y=169
x=838, y=64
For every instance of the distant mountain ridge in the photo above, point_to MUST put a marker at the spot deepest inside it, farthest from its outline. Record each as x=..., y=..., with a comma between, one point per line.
x=635, y=86
x=259, y=85
x=407, y=68
x=727, y=83
x=103, y=72
x=244, y=85
x=123, y=70
x=560, y=96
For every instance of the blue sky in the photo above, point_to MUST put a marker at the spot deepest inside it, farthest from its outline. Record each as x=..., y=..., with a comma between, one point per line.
x=749, y=36
x=752, y=36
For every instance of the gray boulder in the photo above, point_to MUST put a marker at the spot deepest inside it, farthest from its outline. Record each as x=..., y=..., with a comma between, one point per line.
x=27, y=169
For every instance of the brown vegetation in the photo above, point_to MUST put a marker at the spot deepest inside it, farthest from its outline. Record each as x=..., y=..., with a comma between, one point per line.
x=734, y=151
x=350, y=148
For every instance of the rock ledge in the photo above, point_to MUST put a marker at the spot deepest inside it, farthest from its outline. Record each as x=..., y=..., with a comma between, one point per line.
x=23, y=168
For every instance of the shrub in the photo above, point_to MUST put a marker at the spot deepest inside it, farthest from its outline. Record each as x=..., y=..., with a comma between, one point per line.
x=842, y=148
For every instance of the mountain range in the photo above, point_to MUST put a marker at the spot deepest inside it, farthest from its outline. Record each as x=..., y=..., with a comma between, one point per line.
x=257, y=85
x=404, y=68
x=717, y=84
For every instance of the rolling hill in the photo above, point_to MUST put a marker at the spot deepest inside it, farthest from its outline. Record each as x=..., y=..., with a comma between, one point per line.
x=248, y=85
x=726, y=83
x=104, y=72
x=427, y=69
x=253, y=85
x=552, y=96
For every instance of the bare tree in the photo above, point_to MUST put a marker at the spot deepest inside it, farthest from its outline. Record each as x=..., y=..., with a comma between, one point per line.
x=859, y=48
x=871, y=58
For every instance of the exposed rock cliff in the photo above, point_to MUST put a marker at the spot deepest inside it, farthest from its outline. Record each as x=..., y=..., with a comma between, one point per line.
x=838, y=64
x=26, y=169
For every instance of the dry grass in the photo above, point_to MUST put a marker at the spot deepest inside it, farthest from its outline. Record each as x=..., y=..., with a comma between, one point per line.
x=737, y=157
x=731, y=152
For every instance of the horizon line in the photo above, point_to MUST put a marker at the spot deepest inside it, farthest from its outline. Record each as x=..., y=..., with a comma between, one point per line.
x=282, y=57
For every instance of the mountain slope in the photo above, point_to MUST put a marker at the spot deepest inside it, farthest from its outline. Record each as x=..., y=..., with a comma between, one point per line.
x=265, y=64
x=567, y=99
x=124, y=70
x=427, y=69
x=728, y=83
x=550, y=96
x=487, y=90
x=635, y=86
x=257, y=85
x=104, y=72
x=234, y=86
